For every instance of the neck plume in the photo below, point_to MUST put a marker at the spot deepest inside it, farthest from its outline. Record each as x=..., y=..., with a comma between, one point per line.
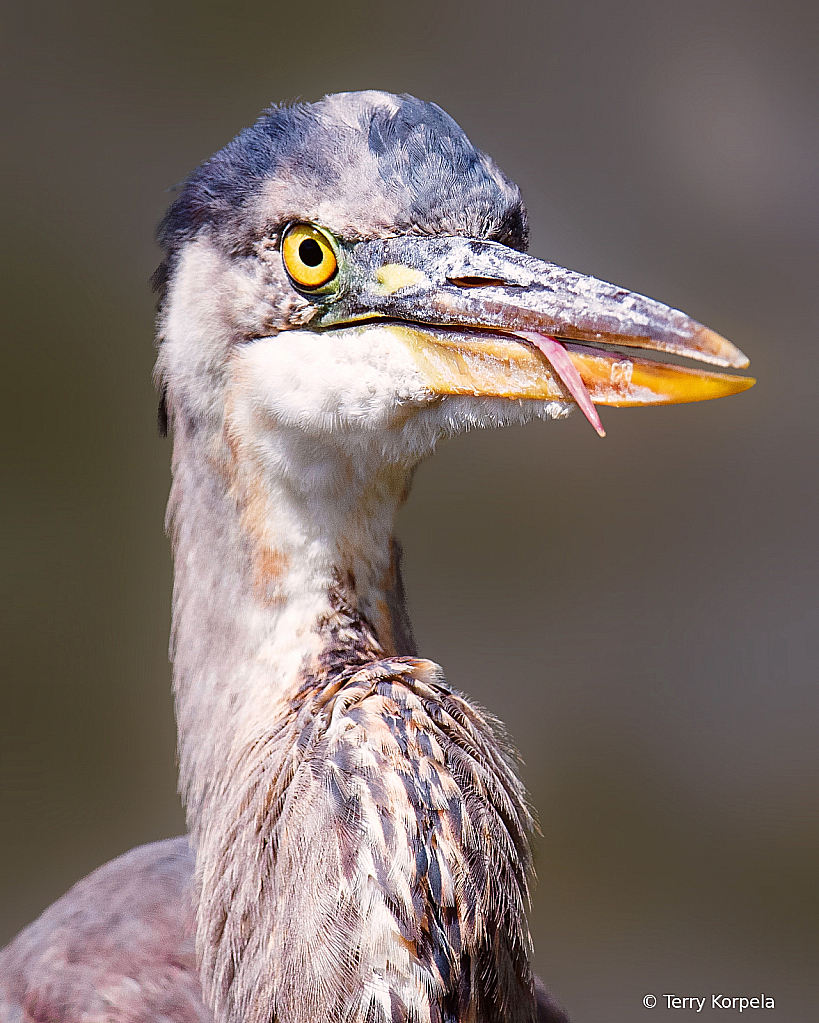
x=362, y=838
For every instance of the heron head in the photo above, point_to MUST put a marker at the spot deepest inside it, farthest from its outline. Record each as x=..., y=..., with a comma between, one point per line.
x=356, y=270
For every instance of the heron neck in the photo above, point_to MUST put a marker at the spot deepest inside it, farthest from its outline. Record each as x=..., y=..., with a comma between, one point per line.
x=285, y=568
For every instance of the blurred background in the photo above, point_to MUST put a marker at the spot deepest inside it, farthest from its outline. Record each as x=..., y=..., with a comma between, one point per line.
x=642, y=611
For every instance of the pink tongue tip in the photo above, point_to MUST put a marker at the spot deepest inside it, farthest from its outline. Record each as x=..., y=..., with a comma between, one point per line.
x=566, y=371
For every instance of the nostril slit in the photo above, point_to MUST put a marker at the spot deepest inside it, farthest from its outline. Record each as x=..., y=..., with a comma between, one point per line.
x=477, y=282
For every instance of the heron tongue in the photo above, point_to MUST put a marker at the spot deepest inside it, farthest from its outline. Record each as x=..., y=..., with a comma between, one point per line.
x=564, y=367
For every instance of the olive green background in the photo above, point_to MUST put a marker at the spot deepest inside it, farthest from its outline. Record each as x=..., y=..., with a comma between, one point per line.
x=641, y=610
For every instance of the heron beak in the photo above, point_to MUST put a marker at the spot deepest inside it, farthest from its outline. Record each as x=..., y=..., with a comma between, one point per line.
x=483, y=319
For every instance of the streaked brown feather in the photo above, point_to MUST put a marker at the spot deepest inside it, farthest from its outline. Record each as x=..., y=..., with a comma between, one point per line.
x=394, y=837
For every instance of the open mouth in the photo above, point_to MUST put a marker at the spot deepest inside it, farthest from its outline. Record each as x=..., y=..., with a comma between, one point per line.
x=608, y=377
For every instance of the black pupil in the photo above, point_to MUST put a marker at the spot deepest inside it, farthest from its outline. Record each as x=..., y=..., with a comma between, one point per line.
x=310, y=252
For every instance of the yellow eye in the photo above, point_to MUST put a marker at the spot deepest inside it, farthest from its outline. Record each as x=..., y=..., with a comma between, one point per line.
x=308, y=256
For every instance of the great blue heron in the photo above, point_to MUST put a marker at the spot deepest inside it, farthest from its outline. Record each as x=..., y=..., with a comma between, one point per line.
x=344, y=284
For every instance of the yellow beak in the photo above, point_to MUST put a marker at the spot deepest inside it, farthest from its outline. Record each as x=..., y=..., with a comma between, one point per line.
x=501, y=366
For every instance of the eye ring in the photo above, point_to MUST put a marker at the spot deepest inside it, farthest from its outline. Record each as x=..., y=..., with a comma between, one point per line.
x=309, y=256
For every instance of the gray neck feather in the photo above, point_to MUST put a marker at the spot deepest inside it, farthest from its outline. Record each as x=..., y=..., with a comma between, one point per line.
x=250, y=625
x=248, y=622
